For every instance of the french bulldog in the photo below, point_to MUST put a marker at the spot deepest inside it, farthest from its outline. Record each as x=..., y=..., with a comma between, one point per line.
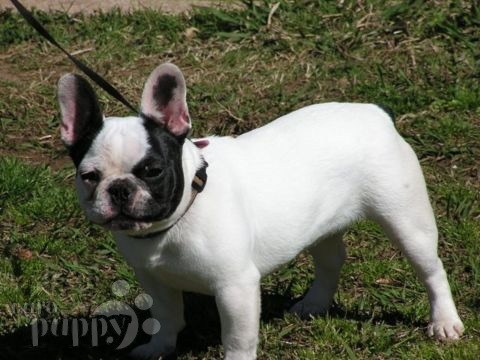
x=294, y=184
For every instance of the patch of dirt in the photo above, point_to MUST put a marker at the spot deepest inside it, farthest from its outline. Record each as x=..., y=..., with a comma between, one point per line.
x=90, y=6
x=7, y=73
x=56, y=157
x=7, y=70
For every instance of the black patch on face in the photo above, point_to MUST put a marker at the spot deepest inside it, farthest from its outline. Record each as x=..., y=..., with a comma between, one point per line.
x=77, y=152
x=89, y=120
x=163, y=90
x=167, y=188
x=388, y=110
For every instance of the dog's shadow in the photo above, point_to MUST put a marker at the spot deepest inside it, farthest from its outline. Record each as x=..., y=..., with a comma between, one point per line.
x=201, y=333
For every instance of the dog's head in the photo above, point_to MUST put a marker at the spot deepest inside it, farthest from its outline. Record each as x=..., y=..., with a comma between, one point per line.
x=129, y=170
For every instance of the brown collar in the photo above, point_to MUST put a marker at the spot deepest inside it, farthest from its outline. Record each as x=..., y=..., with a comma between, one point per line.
x=198, y=184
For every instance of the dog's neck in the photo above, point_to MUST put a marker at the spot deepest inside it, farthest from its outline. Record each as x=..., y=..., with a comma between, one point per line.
x=191, y=162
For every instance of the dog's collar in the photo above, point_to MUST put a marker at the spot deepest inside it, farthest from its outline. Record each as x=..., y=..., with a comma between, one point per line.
x=198, y=184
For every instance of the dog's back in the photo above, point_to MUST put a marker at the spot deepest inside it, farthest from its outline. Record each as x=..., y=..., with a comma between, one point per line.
x=308, y=174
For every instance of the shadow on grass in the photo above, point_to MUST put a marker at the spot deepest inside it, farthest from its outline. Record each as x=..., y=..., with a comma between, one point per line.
x=384, y=317
x=202, y=332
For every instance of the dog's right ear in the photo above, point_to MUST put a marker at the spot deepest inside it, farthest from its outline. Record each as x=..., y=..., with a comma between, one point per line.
x=81, y=113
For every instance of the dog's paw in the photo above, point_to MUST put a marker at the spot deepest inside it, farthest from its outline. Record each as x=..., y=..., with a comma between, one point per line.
x=150, y=351
x=305, y=308
x=446, y=330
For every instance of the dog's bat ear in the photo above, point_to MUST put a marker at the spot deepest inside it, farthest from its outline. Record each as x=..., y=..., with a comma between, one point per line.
x=81, y=113
x=164, y=99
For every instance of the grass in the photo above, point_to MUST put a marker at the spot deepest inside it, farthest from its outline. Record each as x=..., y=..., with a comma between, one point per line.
x=418, y=58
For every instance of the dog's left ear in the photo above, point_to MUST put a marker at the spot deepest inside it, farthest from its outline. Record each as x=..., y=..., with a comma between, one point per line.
x=164, y=99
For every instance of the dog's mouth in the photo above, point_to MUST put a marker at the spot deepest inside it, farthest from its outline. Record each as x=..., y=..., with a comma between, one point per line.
x=123, y=222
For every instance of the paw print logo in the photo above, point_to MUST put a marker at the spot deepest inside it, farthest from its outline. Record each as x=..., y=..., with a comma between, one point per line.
x=112, y=310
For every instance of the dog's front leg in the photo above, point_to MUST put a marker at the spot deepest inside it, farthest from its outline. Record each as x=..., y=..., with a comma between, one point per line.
x=239, y=308
x=167, y=309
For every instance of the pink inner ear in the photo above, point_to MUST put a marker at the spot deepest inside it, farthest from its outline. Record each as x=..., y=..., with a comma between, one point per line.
x=68, y=117
x=176, y=118
x=67, y=133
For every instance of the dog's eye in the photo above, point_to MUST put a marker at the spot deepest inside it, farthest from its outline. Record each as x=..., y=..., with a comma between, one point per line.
x=91, y=177
x=152, y=172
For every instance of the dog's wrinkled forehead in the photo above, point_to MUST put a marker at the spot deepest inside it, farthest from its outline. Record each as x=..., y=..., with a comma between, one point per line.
x=118, y=147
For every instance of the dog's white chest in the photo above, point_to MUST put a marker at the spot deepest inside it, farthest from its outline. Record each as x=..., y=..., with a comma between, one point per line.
x=181, y=266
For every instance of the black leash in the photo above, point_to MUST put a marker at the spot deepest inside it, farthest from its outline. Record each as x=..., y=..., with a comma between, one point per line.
x=104, y=84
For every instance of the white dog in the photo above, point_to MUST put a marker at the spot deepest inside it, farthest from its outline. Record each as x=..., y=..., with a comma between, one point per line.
x=294, y=184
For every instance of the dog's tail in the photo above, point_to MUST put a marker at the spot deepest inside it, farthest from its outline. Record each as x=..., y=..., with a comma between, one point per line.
x=387, y=110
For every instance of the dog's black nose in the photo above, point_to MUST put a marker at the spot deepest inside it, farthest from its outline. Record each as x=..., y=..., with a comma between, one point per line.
x=120, y=192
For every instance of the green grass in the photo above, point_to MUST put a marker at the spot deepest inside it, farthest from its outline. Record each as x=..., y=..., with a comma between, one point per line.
x=418, y=58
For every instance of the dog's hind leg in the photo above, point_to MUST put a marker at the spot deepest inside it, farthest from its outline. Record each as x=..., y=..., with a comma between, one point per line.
x=328, y=256
x=419, y=244
x=403, y=209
